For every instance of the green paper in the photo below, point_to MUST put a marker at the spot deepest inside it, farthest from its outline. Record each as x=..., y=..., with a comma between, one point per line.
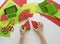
x=43, y=6
x=31, y=7
x=51, y=9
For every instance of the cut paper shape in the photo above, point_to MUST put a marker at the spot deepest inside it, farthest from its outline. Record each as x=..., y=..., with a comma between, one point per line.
x=20, y=2
x=2, y=2
x=51, y=9
x=11, y=11
x=27, y=25
x=54, y=20
x=31, y=7
x=43, y=6
x=35, y=24
x=4, y=17
x=25, y=15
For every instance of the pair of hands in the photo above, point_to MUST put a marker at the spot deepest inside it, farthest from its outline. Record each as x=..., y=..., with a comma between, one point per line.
x=39, y=30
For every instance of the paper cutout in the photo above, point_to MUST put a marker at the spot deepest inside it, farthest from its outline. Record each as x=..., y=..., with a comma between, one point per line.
x=48, y=7
x=25, y=15
x=4, y=17
x=27, y=25
x=43, y=6
x=20, y=2
x=51, y=18
x=51, y=9
x=35, y=24
x=11, y=11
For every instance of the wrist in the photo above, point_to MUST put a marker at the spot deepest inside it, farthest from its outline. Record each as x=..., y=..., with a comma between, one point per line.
x=40, y=33
x=22, y=36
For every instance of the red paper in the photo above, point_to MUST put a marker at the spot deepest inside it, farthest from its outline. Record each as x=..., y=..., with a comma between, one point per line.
x=54, y=20
x=35, y=24
x=20, y=2
x=27, y=25
x=25, y=15
x=4, y=17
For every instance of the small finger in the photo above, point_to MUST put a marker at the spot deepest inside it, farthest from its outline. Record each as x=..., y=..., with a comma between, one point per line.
x=25, y=28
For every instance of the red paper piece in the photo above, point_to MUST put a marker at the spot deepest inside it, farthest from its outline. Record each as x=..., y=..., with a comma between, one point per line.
x=4, y=17
x=3, y=3
x=54, y=20
x=35, y=24
x=20, y=2
x=57, y=5
x=24, y=15
x=49, y=1
x=27, y=25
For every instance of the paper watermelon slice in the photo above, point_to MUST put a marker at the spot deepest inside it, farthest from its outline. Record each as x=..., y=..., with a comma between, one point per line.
x=35, y=24
x=4, y=17
x=27, y=25
x=25, y=15
x=20, y=2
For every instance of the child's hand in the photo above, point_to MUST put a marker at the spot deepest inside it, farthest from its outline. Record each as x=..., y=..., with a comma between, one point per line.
x=39, y=30
x=22, y=31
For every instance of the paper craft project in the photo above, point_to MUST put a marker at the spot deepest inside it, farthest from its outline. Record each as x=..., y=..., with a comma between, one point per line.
x=20, y=10
x=25, y=15
x=20, y=2
x=27, y=25
x=35, y=24
x=11, y=11
x=48, y=7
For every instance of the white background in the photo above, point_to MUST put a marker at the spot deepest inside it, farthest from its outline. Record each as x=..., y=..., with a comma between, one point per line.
x=51, y=32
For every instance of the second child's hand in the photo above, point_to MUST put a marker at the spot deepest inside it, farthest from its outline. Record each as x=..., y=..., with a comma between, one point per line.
x=39, y=32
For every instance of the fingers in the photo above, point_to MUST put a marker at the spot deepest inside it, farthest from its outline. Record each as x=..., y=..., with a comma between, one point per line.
x=24, y=29
x=21, y=29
